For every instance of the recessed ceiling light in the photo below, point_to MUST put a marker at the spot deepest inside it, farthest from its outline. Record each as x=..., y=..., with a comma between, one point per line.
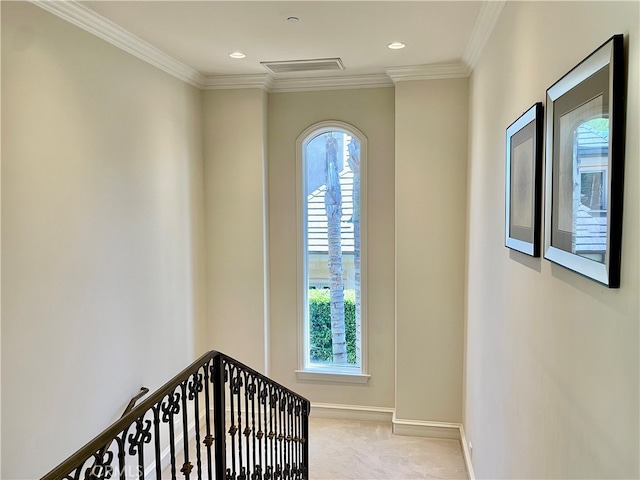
x=237, y=55
x=396, y=45
x=292, y=19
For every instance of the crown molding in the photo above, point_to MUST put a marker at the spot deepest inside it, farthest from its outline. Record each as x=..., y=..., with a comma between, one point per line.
x=485, y=23
x=428, y=72
x=343, y=82
x=270, y=84
x=83, y=17
x=225, y=82
x=94, y=23
x=300, y=84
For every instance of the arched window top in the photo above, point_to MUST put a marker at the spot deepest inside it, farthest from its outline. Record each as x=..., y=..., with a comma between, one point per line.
x=330, y=126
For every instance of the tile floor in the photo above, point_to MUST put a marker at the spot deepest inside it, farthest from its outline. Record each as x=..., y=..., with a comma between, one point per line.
x=346, y=450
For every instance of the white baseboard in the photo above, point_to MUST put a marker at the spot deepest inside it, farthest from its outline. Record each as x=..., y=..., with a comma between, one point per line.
x=420, y=428
x=454, y=431
x=351, y=412
x=416, y=428
x=466, y=454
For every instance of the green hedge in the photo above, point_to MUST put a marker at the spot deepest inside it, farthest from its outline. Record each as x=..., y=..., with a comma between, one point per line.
x=320, y=315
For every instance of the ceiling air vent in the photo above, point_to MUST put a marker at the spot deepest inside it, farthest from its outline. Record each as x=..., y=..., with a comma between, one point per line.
x=304, y=65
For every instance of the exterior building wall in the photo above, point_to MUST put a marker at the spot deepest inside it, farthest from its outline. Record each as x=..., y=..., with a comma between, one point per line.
x=318, y=269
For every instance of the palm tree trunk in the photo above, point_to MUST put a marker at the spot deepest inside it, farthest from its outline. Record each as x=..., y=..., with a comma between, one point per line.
x=333, y=207
x=354, y=164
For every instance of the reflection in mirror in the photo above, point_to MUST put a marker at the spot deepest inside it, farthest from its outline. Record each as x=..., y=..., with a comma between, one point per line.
x=590, y=159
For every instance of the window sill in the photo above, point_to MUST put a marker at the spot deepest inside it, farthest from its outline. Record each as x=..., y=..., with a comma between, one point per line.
x=332, y=376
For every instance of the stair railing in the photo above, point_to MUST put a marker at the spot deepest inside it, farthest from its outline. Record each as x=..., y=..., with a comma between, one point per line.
x=217, y=419
x=132, y=403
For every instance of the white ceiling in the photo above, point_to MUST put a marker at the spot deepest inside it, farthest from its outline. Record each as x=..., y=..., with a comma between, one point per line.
x=201, y=34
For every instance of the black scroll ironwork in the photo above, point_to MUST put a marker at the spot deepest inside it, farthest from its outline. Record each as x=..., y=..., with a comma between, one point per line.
x=217, y=419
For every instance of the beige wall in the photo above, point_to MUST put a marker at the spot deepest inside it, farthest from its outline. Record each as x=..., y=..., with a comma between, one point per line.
x=430, y=203
x=102, y=234
x=371, y=111
x=236, y=203
x=552, y=358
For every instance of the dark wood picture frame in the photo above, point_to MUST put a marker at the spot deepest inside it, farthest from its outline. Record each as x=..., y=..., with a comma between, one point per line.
x=585, y=117
x=523, y=182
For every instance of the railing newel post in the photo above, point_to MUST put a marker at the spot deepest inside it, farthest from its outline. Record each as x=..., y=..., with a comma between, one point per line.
x=219, y=428
x=306, y=411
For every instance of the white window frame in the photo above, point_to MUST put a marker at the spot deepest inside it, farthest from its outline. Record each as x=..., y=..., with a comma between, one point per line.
x=334, y=373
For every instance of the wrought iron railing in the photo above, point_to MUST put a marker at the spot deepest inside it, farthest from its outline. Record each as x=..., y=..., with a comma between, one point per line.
x=217, y=419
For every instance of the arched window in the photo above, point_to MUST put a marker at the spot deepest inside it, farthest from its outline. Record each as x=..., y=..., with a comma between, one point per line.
x=331, y=168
